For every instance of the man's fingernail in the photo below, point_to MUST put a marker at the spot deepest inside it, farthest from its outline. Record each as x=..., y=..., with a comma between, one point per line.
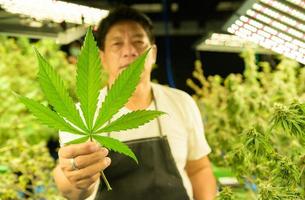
x=105, y=151
x=107, y=161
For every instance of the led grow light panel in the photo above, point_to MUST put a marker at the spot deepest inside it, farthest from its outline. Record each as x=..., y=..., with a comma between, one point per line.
x=228, y=43
x=274, y=24
x=56, y=11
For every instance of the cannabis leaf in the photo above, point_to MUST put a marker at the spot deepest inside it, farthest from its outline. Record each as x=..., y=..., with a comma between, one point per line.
x=47, y=116
x=291, y=119
x=120, y=91
x=115, y=145
x=68, y=118
x=131, y=120
x=226, y=194
x=79, y=140
x=88, y=82
x=256, y=142
x=56, y=93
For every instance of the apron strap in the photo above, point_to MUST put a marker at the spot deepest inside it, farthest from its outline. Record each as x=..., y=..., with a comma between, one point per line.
x=156, y=108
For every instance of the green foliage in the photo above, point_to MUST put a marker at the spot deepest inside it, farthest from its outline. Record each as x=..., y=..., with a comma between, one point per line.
x=256, y=142
x=56, y=93
x=79, y=140
x=131, y=120
x=290, y=119
x=269, y=191
x=88, y=79
x=18, y=69
x=115, y=145
x=26, y=178
x=226, y=194
x=22, y=140
x=255, y=124
x=120, y=91
x=47, y=116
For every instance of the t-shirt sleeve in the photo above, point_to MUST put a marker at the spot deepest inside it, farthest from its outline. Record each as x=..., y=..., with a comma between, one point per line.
x=197, y=143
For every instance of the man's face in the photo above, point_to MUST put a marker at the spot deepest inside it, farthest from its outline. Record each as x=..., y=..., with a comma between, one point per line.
x=124, y=42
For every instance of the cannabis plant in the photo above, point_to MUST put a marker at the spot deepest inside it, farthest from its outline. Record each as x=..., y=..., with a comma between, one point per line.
x=66, y=116
x=255, y=124
x=226, y=194
x=25, y=163
x=18, y=70
x=27, y=175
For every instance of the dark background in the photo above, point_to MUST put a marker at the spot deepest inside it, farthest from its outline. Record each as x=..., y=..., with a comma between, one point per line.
x=183, y=56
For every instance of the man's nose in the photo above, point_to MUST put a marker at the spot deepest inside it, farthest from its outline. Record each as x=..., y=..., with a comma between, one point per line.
x=129, y=51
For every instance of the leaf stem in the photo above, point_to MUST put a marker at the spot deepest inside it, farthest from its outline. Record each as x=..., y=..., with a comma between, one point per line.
x=102, y=173
x=106, y=181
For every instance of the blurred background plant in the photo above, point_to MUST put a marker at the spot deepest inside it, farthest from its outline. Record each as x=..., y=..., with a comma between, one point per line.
x=29, y=171
x=18, y=70
x=255, y=124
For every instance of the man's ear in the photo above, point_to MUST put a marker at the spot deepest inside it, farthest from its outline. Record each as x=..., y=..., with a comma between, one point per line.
x=102, y=56
x=154, y=52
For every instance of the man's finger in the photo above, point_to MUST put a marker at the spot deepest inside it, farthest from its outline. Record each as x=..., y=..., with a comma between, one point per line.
x=86, y=160
x=74, y=150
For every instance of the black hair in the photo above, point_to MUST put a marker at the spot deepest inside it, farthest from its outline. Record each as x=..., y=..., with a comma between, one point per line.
x=123, y=13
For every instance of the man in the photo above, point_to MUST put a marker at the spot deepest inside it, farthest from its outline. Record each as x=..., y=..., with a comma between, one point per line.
x=172, y=150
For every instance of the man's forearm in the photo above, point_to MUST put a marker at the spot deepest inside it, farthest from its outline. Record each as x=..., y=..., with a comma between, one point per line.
x=204, y=184
x=67, y=190
x=202, y=178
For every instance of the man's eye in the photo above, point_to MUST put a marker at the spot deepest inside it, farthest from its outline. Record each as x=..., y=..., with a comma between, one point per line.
x=139, y=42
x=117, y=44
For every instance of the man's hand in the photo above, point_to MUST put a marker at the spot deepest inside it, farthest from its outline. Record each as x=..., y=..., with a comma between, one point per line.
x=89, y=159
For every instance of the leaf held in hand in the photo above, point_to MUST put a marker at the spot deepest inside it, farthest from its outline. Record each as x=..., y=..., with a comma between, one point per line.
x=115, y=145
x=121, y=90
x=88, y=81
x=56, y=93
x=48, y=117
x=79, y=140
x=131, y=120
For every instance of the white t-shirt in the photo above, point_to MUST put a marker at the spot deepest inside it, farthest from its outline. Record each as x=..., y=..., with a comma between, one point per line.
x=182, y=125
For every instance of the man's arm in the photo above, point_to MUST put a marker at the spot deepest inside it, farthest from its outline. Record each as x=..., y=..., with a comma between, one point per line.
x=202, y=178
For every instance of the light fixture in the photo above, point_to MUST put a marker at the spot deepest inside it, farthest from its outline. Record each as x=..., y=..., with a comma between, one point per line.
x=56, y=11
x=228, y=43
x=274, y=24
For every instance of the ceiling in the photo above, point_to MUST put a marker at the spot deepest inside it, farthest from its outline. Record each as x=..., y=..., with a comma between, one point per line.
x=182, y=17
